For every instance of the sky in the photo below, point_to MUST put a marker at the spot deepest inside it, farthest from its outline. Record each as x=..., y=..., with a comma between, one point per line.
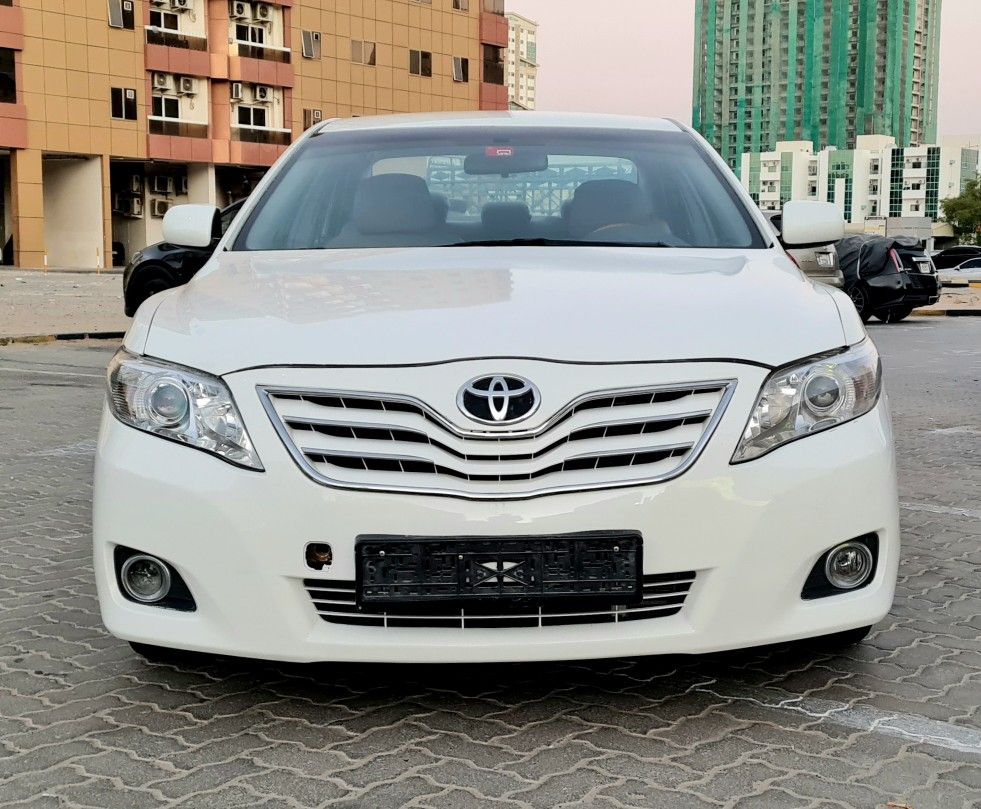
x=635, y=56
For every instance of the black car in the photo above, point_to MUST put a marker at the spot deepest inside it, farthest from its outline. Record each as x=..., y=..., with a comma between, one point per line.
x=955, y=256
x=163, y=266
x=887, y=277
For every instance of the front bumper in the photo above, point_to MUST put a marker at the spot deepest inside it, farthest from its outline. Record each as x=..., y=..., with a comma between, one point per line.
x=751, y=532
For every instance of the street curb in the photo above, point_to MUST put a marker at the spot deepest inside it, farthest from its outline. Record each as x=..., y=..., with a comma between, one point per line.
x=36, y=339
x=7, y=268
x=948, y=313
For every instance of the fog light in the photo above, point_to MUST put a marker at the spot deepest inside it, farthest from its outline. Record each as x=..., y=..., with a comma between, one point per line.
x=144, y=578
x=849, y=565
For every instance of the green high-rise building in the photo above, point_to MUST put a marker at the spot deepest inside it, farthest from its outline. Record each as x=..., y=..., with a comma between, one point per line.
x=819, y=70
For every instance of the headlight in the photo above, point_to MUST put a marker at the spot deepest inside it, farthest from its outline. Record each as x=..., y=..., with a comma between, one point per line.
x=181, y=404
x=811, y=396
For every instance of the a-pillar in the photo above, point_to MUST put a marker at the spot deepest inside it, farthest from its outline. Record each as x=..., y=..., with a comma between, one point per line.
x=27, y=204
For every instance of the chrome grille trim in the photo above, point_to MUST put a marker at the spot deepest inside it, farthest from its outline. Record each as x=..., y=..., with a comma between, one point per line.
x=434, y=467
x=664, y=594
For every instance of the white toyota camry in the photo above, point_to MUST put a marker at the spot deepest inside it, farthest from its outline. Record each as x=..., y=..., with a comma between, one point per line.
x=492, y=388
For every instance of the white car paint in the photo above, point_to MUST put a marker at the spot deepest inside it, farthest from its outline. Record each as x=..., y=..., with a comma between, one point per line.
x=419, y=322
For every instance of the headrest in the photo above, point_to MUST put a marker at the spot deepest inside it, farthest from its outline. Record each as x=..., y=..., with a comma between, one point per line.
x=506, y=216
x=597, y=203
x=441, y=205
x=393, y=203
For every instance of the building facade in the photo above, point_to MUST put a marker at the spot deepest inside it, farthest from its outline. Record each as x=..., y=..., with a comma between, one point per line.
x=878, y=179
x=824, y=71
x=113, y=110
x=522, y=62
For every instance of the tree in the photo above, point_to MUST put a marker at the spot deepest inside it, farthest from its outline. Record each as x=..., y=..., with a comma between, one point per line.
x=963, y=213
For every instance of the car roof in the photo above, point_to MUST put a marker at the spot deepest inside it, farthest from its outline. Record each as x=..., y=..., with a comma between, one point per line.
x=519, y=118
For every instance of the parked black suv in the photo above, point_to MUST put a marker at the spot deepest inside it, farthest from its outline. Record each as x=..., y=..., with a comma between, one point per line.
x=887, y=277
x=955, y=256
x=163, y=265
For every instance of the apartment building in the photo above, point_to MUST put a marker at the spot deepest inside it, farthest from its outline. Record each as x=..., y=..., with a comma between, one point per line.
x=522, y=62
x=824, y=71
x=877, y=179
x=111, y=111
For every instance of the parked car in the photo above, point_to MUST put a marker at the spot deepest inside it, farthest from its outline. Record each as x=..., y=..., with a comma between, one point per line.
x=955, y=256
x=164, y=265
x=970, y=270
x=365, y=433
x=818, y=263
x=887, y=277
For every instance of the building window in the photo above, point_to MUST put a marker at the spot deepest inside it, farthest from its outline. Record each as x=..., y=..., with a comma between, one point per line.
x=122, y=103
x=166, y=107
x=251, y=34
x=8, y=84
x=461, y=69
x=494, y=7
x=362, y=52
x=311, y=44
x=251, y=116
x=120, y=14
x=164, y=20
x=493, y=64
x=461, y=5
x=420, y=63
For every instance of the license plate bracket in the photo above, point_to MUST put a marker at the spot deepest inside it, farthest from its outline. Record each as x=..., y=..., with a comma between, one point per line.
x=595, y=565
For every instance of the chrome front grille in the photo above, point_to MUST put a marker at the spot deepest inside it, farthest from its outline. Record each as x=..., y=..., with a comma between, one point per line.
x=392, y=443
x=664, y=594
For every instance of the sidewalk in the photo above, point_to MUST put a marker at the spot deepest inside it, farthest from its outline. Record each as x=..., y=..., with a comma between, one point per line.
x=35, y=303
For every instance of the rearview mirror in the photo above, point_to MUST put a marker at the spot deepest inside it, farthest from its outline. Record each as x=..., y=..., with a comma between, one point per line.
x=811, y=224
x=504, y=160
x=192, y=225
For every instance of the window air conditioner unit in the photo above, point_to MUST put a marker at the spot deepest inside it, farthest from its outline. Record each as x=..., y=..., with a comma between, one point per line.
x=128, y=206
x=239, y=10
x=186, y=86
x=263, y=12
x=162, y=184
x=161, y=81
x=180, y=5
x=136, y=183
x=158, y=2
x=235, y=91
x=311, y=117
x=159, y=207
x=262, y=93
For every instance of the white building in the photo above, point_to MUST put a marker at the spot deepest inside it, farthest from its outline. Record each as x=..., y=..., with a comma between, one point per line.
x=874, y=180
x=522, y=62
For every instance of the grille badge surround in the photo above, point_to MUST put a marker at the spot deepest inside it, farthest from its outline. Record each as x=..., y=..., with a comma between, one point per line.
x=499, y=399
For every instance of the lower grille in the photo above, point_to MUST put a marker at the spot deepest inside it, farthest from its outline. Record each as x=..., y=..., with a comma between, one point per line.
x=664, y=594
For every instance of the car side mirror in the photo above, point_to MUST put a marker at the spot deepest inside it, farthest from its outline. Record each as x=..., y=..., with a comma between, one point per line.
x=811, y=224
x=192, y=225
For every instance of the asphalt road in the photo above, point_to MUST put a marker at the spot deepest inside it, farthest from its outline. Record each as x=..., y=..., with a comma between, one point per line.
x=894, y=721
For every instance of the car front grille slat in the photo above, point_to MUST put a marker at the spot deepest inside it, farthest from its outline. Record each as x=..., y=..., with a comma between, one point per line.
x=385, y=442
x=663, y=595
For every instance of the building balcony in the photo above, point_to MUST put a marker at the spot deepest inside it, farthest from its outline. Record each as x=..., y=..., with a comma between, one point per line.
x=158, y=125
x=261, y=134
x=175, y=39
x=266, y=52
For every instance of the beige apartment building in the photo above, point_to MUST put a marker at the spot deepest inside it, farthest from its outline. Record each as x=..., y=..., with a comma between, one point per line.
x=522, y=62
x=111, y=111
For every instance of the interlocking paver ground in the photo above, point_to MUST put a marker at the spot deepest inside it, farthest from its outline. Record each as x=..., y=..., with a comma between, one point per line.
x=84, y=722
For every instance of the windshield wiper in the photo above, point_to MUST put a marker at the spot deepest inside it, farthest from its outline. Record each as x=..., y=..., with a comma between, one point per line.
x=542, y=242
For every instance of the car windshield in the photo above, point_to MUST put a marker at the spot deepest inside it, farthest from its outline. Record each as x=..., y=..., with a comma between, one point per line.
x=470, y=186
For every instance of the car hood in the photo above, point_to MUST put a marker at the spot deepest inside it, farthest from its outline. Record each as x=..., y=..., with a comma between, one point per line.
x=427, y=305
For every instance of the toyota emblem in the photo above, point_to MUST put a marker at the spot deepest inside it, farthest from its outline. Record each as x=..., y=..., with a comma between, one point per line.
x=498, y=399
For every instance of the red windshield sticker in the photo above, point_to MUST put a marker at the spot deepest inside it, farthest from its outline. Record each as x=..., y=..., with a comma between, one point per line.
x=499, y=151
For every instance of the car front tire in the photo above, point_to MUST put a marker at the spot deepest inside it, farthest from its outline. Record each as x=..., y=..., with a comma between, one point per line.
x=152, y=282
